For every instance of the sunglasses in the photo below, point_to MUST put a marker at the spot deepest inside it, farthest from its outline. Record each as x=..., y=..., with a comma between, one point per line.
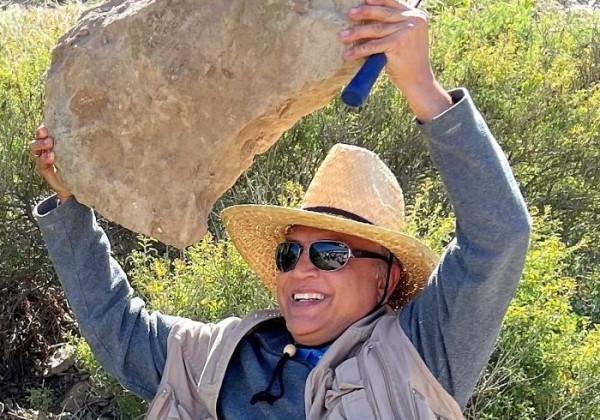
x=325, y=255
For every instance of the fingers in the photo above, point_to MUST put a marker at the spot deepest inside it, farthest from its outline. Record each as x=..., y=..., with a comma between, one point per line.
x=389, y=3
x=47, y=170
x=376, y=13
x=45, y=163
x=41, y=145
x=381, y=27
x=376, y=46
x=41, y=132
x=384, y=14
x=42, y=142
x=42, y=148
x=369, y=31
x=46, y=159
x=401, y=33
x=45, y=167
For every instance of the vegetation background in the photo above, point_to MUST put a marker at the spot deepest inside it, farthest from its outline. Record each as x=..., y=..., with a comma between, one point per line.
x=533, y=68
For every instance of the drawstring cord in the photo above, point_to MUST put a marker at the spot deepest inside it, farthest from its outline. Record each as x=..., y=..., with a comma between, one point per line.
x=387, y=281
x=266, y=395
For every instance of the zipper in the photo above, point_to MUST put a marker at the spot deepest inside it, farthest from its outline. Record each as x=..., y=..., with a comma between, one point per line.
x=420, y=411
x=368, y=388
x=386, y=376
x=161, y=402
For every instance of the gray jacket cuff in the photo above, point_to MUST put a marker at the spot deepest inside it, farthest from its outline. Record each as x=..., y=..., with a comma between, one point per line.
x=48, y=213
x=463, y=109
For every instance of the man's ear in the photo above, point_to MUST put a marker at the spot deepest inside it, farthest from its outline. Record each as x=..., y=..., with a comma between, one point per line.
x=381, y=273
x=395, y=277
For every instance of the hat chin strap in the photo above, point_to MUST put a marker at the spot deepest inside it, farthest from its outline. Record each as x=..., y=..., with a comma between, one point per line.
x=387, y=283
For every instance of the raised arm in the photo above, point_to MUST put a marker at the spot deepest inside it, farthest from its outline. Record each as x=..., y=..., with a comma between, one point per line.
x=455, y=321
x=129, y=342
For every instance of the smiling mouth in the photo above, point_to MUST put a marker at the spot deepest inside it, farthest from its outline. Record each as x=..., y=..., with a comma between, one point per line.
x=307, y=297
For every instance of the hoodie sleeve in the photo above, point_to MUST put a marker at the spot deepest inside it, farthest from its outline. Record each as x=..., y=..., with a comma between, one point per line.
x=128, y=341
x=455, y=321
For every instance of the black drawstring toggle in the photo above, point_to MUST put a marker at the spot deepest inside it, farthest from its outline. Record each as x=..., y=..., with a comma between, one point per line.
x=266, y=396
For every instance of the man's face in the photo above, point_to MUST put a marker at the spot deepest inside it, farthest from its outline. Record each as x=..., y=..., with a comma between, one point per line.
x=348, y=294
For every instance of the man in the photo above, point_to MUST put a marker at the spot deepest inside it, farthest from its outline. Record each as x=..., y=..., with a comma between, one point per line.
x=335, y=349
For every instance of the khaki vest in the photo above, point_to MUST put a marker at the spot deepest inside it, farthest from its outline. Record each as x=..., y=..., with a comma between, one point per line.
x=372, y=371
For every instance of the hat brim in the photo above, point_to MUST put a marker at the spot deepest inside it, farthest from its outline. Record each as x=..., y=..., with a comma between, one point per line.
x=256, y=230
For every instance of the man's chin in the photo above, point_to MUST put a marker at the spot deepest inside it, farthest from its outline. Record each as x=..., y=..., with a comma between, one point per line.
x=307, y=333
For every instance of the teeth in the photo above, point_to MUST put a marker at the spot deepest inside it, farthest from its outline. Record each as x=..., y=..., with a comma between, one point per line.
x=298, y=297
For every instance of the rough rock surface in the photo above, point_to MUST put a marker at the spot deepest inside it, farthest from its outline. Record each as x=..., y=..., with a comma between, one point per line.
x=157, y=106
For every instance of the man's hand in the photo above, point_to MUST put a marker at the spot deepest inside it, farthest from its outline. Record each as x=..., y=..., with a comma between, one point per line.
x=401, y=33
x=42, y=149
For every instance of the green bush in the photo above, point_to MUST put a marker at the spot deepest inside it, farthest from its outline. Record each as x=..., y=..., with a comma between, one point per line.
x=29, y=296
x=26, y=39
x=535, y=74
x=546, y=363
x=39, y=399
x=127, y=406
x=209, y=282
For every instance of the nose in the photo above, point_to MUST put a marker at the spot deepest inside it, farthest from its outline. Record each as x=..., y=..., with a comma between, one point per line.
x=304, y=267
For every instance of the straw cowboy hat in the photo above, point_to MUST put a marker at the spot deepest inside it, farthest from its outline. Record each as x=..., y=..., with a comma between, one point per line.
x=353, y=192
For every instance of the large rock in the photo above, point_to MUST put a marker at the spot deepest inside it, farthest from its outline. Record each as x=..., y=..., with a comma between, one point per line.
x=158, y=106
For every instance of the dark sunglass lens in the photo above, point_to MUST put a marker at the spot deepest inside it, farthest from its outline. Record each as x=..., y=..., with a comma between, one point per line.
x=287, y=256
x=329, y=256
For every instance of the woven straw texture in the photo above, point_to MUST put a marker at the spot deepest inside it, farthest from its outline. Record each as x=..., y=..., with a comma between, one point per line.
x=352, y=179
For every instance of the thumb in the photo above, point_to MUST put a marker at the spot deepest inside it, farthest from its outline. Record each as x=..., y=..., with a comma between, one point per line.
x=46, y=168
